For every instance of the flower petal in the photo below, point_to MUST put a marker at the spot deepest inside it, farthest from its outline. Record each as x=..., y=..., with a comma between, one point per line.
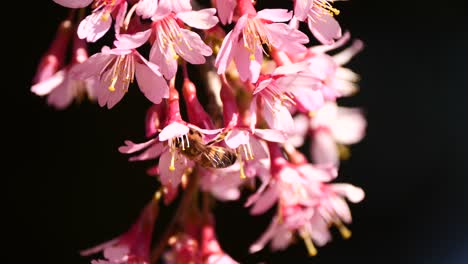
x=275, y=15
x=151, y=82
x=172, y=130
x=349, y=126
x=169, y=177
x=225, y=10
x=325, y=28
x=192, y=49
x=94, y=26
x=352, y=193
x=323, y=148
x=48, y=85
x=73, y=3
x=131, y=147
x=248, y=68
x=201, y=19
x=132, y=41
x=286, y=38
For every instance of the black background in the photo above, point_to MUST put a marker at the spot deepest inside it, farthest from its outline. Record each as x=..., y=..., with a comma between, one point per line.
x=71, y=189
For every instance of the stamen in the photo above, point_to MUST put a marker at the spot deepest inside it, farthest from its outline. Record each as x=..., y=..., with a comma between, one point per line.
x=344, y=231
x=308, y=243
x=241, y=164
x=326, y=7
x=172, y=167
x=112, y=85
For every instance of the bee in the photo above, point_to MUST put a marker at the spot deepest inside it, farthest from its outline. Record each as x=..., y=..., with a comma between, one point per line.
x=206, y=155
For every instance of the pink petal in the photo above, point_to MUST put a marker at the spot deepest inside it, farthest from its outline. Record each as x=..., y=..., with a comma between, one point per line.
x=323, y=149
x=236, y=138
x=202, y=19
x=116, y=253
x=73, y=3
x=315, y=174
x=301, y=8
x=168, y=177
x=262, y=85
x=225, y=10
x=105, y=96
x=152, y=152
x=341, y=208
x=308, y=100
x=280, y=119
x=92, y=67
x=151, y=82
x=131, y=147
x=146, y=8
x=47, y=86
x=318, y=230
x=259, y=150
x=119, y=18
x=176, y=6
x=271, y=231
x=291, y=68
x=268, y=198
x=301, y=125
x=172, y=130
x=352, y=193
x=286, y=38
x=193, y=49
x=63, y=95
x=282, y=239
x=99, y=247
x=349, y=126
x=270, y=135
x=133, y=41
x=93, y=27
x=248, y=69
x=166, y=62
x=275, y=15
x=325, y=28
x=230, y=42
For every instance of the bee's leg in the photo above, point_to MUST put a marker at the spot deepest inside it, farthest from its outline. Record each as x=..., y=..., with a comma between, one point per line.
x=220, y=137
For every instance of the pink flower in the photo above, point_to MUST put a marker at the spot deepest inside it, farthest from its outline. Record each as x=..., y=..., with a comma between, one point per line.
x=61, y=88
x=172, y=41
x=225, y=10
x=134, y=245
x=73, y=3
x=54, y=58
x=244, y=43
x=334, y=125
x=172, y=163
x=114, y=70
x=306, y=203
x=335, y=80
x=95, y=25
x=289, y=85
x=319, y=15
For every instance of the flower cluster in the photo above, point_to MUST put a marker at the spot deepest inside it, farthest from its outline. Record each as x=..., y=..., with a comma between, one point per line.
x=268, y=93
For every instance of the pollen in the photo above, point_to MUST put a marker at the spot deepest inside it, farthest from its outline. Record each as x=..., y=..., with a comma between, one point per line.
x=172, y=167
x=255, y=35
x=122, y=72
x=326, y=8
x=344, y=231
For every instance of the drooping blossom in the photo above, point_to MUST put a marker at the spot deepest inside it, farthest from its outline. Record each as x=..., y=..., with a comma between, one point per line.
x=172, y=163
x=134, y=245
x=307, y=204
x=96, y=25
x=335, y=80
x=332, y=129
x=254, y=29
x=114, y=69
x=289, y=85
x=172, y=40
x=319, y=15
x=62, y=88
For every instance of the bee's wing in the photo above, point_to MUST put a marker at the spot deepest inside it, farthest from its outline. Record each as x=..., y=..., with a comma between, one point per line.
x=218, y=157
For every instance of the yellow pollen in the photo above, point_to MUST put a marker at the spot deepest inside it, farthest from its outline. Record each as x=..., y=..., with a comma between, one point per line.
x=172, y=167
x=308, y=243
x=311, y=114
x=326, y=7
x=344, y=231
x=343, y=151
x=157, y=195
x=241, y=164
x=105, y=17
x=112, y=86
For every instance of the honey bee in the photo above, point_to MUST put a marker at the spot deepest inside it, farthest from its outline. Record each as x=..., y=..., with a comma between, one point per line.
x=206, y=155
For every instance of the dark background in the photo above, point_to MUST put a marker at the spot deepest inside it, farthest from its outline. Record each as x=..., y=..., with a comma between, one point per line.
x=71, y=189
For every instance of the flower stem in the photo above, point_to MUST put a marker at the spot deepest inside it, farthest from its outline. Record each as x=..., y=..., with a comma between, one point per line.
x=183, y=207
